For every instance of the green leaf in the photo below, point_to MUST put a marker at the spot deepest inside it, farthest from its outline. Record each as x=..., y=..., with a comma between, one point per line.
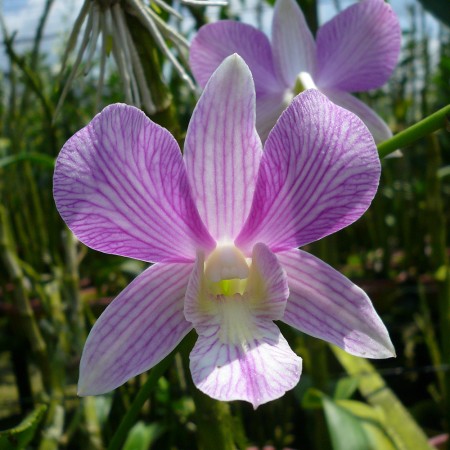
x=346, y=430
x=142, y=436
x=37, y=158
x=345, y=388
x=399, y=423
x=312, y=399
x=19, y=437
x=373, y=423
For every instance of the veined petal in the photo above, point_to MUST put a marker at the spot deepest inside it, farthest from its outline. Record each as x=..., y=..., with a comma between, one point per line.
x=358, y=49
x=327, y=305
x=262, y=371
x=215, y=41
x=268, y=109
x=319, y=173
x=267, y=289
x=376, y=125
x=137, y=330
x=293, y=45
x=120, y=184
x=223, y=149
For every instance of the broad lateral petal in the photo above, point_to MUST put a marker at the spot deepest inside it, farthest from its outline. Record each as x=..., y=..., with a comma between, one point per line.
x=120, y=184
x=261, y=371
x=358, y=49
x=376, y=125
x=327, y=305
x=319, y=173
x=137, y=330
x=216, y=41
x=223, y=149
x=293, y=45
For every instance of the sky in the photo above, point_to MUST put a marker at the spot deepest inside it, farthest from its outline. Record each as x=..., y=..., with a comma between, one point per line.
x=22, y=16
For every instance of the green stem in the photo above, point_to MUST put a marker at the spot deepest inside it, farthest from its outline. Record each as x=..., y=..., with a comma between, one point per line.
x=432, y=123
x=142, y=396
x=216, y=427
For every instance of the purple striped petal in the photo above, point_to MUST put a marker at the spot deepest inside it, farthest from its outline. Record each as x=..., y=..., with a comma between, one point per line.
x=267, y=288
x=258, y=373
x=319, y=173
x=137, y=330
x=120, y=184
x=215, y=41
x=293, y=45
x=358, y=49
x=327, y=305
x=376, y=125
x=268, y=109
x=223, y=150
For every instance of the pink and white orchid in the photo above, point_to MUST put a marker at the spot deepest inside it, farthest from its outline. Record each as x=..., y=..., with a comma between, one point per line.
x=355, y=51
x=222, y=224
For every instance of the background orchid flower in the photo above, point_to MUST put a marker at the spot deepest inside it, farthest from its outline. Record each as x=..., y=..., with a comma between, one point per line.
x=355, y=51
x=222, y=223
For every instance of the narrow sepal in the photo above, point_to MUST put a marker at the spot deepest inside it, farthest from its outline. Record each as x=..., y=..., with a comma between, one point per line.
x=137, y=330
x=325, y=304
x=223, y=149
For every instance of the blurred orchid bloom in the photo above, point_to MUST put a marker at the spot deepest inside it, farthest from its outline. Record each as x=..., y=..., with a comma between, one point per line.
x=222, y=223
x=355, y=51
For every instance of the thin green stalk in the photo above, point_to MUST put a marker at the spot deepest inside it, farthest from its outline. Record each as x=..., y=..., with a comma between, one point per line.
x=439, y=261
x=436, y=121
x=142, y=396
x=216, y=428
x=28, y=324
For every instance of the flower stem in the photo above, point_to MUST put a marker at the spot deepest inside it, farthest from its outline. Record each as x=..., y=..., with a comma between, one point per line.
x=216, y=427
x=434, y=122
x=142, y=396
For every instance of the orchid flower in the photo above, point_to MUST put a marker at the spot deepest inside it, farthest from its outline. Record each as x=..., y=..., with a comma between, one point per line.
x=222, y=224
x=355, y=51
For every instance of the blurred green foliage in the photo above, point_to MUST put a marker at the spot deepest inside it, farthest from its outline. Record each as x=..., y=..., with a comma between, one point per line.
x=52, y=288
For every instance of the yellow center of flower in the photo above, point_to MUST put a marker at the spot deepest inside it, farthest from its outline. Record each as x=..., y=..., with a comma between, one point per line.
x=303, y=82
x=226, y=282
x=226, y=271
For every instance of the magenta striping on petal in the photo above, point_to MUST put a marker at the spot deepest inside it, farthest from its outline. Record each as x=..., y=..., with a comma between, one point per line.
x=212, y=44
x=319, y=173
x=358, y=49
x=120, y=194
x=327, y=305
x=263, y=372
x=138, y=329
x=222, y=149
x=376, y=125
x=293, y=44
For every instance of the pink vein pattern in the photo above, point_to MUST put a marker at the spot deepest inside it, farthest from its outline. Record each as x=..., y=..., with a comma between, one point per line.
x=139, y=328
x=327, y=305
x=323, y=180
x=120, y=184
x=223, y=149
